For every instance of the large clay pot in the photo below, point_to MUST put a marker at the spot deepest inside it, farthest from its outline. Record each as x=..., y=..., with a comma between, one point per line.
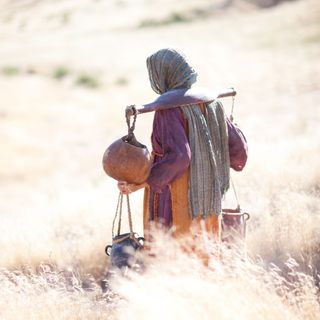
x=127, y=160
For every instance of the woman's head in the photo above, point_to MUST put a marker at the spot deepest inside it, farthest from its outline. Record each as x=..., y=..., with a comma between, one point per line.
x=169, y=69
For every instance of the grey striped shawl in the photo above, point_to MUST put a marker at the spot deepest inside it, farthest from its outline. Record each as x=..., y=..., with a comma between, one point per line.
x=209, y=169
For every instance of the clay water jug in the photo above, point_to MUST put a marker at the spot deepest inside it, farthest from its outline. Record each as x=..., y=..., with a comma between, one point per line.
x=126, y=159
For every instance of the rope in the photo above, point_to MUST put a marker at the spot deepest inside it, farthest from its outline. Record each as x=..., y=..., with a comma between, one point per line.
x=132, y=127
x=232, y=107
x=119, y=214
x=115, y=217
x=232, y=183
x=235, y=193
x=129, y=216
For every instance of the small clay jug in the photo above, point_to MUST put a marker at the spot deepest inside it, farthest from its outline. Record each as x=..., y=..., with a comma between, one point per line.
x=234, y=224
x=123, y=248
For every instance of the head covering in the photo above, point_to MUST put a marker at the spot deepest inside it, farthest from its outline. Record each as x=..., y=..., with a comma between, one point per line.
x=169, y=69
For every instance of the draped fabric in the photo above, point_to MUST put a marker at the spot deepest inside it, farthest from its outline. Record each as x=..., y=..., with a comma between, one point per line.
x=169, y=69
x=172, y=156
x=210, y=164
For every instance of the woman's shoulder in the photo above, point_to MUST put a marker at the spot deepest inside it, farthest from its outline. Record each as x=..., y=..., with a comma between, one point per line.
x=174, y=111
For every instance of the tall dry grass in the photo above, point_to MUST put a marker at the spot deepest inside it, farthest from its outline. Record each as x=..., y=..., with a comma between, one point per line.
x=57, y=205
x=177, y=285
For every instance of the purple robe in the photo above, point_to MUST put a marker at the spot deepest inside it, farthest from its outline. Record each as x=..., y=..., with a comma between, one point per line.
x=172, y=156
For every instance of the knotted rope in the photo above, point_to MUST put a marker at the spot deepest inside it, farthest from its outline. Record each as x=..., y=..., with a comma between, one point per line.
x=131, y=127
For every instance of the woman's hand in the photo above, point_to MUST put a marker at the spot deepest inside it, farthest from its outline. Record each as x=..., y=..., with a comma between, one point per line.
x=127, y=188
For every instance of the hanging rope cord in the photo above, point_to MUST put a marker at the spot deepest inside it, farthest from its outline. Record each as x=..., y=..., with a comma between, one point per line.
x=231, y=180
x=117, y=238
x=120, y=197
x=133, y=126
x=118, y=213
x=232, y=108
x=235, y=193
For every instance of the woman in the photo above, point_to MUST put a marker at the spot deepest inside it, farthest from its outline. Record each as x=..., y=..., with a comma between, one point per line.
x=191, y=149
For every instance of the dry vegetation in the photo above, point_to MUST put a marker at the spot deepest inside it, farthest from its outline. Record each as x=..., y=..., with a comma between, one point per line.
x=67, y=70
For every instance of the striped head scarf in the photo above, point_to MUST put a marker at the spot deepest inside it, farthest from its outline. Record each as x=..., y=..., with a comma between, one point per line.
x=169, y=69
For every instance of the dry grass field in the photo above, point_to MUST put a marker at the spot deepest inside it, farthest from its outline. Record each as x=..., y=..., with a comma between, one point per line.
x=67, y=71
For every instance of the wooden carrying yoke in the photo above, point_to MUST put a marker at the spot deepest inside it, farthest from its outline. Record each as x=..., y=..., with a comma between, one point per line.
x=183, y=97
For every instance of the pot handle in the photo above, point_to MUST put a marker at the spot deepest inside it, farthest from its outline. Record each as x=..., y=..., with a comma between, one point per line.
x=131, y=110
x=108, y=250
x=141, y=240
x=246, y=216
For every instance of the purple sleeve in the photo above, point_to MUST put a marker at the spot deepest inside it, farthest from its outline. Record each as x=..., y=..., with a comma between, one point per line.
x=238, y=147
x=173, y=140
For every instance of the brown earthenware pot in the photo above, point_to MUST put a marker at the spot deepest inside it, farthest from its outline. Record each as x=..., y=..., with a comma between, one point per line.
x=127, y=160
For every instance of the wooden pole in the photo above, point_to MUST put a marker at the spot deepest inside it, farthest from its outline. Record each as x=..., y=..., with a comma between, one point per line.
x=170, y=100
